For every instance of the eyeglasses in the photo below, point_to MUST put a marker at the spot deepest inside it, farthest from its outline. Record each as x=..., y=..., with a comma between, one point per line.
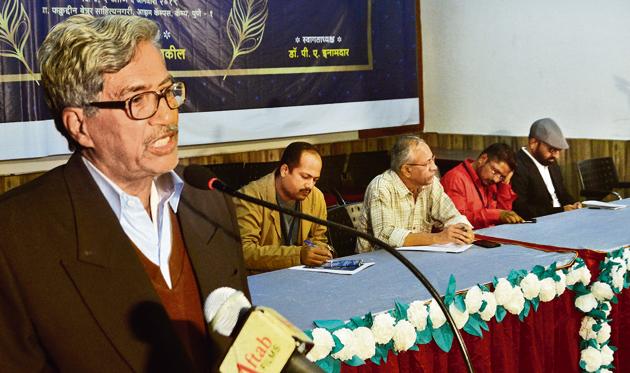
x=496, y=172
x=144, y=105
x=550, y=148
x=432, y=160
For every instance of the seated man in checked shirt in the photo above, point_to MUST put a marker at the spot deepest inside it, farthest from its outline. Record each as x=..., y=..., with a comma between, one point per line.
x=404, y=205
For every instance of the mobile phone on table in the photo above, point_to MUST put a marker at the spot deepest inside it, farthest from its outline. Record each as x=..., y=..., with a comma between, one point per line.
x=487, y=244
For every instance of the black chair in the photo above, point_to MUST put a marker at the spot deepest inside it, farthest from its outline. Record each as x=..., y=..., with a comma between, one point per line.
x=598, y=178
x=256, y=170
x=362, y=168
x=330, y=180
x=348, y=215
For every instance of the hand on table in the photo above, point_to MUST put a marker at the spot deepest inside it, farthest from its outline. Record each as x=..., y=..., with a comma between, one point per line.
x=509, y=217
x=314, y=256
x=460, y=234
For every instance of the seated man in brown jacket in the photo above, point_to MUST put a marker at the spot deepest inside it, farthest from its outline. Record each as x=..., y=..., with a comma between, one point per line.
x=272, y=240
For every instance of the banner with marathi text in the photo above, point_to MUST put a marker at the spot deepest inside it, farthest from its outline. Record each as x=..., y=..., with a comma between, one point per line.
x=253, y=69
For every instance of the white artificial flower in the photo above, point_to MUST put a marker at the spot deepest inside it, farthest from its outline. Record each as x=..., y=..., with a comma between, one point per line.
x=503, y=291
x=435, y=313
x=404, y=336
x=602, y=291
x=618, y=277
x=347, y=338
x=586, y=328
x=585, y=275
x=561, y=284
x=547, y=289
x=517, y=301
x=603, y=334
x=607, y=355
x=530, y=285
x=491, y=306
x=606, y=307
x=573, y=276
x=605, y=371
x=592, y=357
x=473, y=299
x=365, y=343
x=417, y=314
x=586, y=303
x=323, y=343
x=461, y=318
x=383, y=328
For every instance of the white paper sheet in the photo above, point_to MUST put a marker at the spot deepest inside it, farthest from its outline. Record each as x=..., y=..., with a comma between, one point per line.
x=602, y=205
x=443, y=248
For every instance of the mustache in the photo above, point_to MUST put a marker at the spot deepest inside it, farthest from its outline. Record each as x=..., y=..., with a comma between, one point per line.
x=166, y=130
x=307, y=190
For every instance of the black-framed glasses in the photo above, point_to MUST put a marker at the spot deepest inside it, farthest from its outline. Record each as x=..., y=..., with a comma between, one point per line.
x=144, y=105
x=432, y=160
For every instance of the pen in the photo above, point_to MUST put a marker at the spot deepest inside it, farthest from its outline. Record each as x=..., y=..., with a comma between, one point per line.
x=310, y=243
x=532, y=220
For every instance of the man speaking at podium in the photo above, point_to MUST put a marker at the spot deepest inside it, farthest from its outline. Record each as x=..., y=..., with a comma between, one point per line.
x=104, y=261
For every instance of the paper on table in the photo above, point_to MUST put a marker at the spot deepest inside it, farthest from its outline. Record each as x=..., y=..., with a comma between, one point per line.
x=443, y=248
x=329, y=270
x=602, y=205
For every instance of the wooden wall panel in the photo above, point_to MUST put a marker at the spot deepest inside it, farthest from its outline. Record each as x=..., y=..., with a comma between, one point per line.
x=579, y=149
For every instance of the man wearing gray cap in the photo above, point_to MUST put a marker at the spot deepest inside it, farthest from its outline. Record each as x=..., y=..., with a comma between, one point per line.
x=537, y=180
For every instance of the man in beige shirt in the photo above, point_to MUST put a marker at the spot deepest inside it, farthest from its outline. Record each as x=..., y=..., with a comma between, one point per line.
x=272, y=240
x=405, y=204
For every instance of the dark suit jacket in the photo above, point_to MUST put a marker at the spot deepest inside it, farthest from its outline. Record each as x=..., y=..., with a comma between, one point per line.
x=533, y=198
x=74, y=296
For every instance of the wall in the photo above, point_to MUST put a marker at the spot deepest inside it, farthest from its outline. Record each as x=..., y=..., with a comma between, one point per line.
x=492, y=67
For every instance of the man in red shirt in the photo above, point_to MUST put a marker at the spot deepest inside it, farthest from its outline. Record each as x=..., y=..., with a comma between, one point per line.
x=481, y=189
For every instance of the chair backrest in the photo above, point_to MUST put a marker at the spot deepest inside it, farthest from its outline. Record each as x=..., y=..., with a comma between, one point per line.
x=598, y=176
x=354, y=212
x=343, y=242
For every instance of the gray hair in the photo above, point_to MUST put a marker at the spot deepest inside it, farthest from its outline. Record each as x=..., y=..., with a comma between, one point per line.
x=78, y=51
x=400, y=151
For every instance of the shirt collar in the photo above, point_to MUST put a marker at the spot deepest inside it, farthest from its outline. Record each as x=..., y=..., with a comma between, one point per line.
x=538, y=164
x=169, y=188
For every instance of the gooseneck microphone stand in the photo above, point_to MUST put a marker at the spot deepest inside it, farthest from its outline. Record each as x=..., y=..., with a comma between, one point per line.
x=202, y=178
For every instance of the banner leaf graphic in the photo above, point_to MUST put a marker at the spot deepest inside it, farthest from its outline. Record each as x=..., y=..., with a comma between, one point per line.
x=15, y=28
x=246, y=26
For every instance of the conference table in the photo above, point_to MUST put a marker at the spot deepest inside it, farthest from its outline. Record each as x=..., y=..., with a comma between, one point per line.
x=547, y=340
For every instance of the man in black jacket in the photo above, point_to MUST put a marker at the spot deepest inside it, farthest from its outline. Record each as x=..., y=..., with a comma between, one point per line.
x=537, y=180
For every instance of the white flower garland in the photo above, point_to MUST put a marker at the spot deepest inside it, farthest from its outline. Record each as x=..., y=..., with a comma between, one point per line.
x=408, y=326
x=594, y=301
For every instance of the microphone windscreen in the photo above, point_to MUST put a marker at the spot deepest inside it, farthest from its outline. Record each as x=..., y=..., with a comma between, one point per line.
x=198, y=176
x=229, y=313
x=215, y=300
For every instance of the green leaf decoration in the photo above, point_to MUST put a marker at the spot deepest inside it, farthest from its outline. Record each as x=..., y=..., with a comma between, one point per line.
x=483, y=305
x=614, y=300
x=597, y=327
x=579, y=289
x=459, y=303
x=15, y=28
x=535, y=303
x=538, y=270
x=356, y=322
x=246, y=26
x=424, y=336
x=309, y=333
x=473, y=327
x=414, y=348
x=355, y=361
x=329, y=365
x=500, y=314
x=450, y=291
x=597, y=314
x=484, y=287
x=400, y=311
x=583, y=365
x=525, y=311
x=443, y=337
x=331, y=325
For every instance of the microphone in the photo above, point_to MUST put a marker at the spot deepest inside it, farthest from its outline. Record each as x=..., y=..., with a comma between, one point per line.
x=203, y=178
x=264, y=341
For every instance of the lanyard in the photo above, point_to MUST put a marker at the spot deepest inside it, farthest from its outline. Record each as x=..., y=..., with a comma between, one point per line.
x=288, y=236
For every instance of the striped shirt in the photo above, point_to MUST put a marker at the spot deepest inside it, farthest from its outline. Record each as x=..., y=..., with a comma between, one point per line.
x=390, y=212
